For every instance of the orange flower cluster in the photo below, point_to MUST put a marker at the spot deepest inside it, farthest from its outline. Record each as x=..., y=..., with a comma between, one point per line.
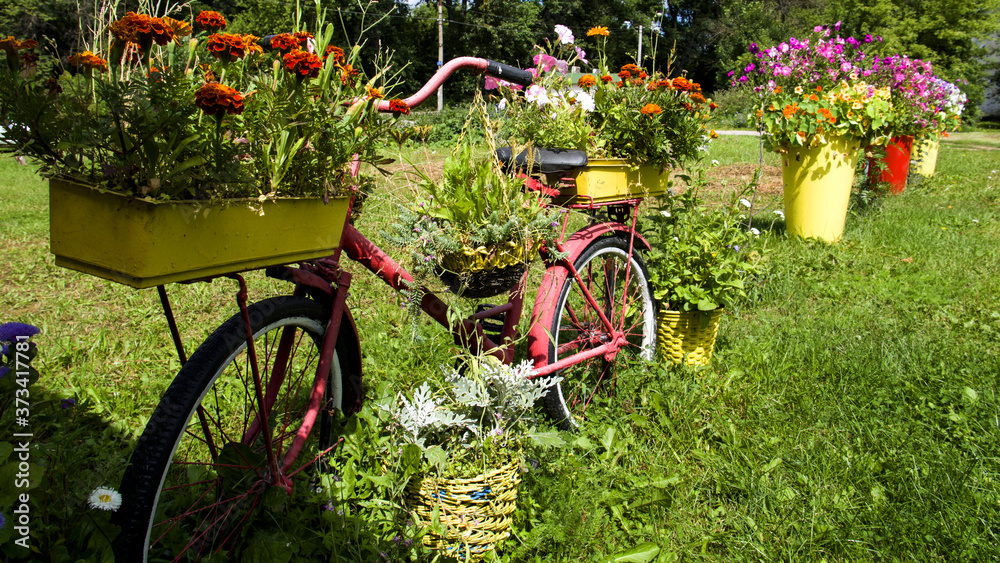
x=303, y=64
x=88, y=61
x=651, y=109
x=218, y=99
x=825, y=115
x=374, y=93
x=142, y=29
x=210, y=21
x=231, y=47
x=606, y=78
x=587, y=81
x=398, y=107
x=285, y=42
x=337, y=53
x=697, y=97
x=12, y=45
x=599, y=30
x=790, y=110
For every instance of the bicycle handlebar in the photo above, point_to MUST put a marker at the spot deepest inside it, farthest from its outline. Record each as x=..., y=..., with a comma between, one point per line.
x=492, y=68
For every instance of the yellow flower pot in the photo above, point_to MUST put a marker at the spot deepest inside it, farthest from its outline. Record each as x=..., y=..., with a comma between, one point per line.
x=687, y=336
x=612, y=179
x=145, y=244
x=925, y=155
x=818, y=184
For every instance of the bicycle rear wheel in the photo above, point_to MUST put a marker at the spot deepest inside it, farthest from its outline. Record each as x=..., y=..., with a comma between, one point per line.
x=619, y=283
x=206, y=469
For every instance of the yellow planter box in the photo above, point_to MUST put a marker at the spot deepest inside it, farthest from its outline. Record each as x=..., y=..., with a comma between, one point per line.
x=611, y=179
x=145, y=244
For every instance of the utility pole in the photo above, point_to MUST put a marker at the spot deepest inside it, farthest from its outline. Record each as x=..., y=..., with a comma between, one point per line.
x=640, y=46
x=440, y=55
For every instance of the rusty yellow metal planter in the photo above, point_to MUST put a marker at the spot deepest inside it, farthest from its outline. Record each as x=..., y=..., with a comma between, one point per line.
x=687, y=336
x=924, y=160
x=145, y=244
x=612, y=179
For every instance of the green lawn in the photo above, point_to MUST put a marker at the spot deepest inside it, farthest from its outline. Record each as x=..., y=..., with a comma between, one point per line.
x=850, y=412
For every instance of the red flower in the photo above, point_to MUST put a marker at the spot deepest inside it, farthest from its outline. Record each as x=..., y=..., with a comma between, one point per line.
x=303, y=64
x=218, y=99
x=624, y=75
x=606, y=78
x=285, y=43
x=230, y=47
x=210, y=21
x=142, y=29
x=587, y=81
x=337, y=53
x=398, y=107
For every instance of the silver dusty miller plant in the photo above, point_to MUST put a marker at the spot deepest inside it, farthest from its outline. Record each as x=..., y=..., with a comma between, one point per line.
x=479, y=414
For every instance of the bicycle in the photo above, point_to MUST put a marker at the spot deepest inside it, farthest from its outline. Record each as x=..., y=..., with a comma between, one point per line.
x=251, y=413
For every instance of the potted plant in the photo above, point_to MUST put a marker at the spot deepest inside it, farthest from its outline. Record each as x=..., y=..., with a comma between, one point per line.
x=152, y=140
x=817, y=108
x=632, y=124
x=466, y=434
x=477, y=228
x=945, y=104
x=700, y=261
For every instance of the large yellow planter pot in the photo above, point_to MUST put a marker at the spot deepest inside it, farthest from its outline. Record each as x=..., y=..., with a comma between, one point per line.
x=687, y=336
x=818, y=184
x=144, y=244
x=925, y=155
x=612, y=179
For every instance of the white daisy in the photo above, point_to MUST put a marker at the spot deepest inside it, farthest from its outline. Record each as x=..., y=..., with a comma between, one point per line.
x=105, y=498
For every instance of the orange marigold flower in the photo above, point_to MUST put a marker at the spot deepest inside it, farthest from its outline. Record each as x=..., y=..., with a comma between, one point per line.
x=697, y=96
x=606, y=78
x=687, y=106
x=229, y=47
x=285, y=42
x=636, y=82
x=302, y=36
x=712, y=134
x=347, y=74
x=251, y=42
x=374, y=93
x=210, y=21
x=206, y=71
x=218, y=99
x=651, y=109
x=680, y=83
x=714, y=105
x=336, y=52
x=624, y=75
x=88, y=61
x=303, y=64
x=652, y=86
x=12, y=45
x=142, y=29
x=619, y=84
x=632, y=69
x=587, y=81
x=599, y=30
x=398, y=107
x=180, y=29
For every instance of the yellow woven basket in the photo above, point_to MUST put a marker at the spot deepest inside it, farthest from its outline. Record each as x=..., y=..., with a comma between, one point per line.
x=475, y=512
x=687, y=336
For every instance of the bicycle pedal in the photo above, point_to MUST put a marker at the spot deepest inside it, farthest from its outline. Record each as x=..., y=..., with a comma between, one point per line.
x=492, y=326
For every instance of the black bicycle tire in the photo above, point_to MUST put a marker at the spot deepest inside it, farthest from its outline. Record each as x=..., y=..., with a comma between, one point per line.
x=555, y=401
x=155, y=448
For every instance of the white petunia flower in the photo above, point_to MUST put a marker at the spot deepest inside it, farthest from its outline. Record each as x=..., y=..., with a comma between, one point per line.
x=105, y=498
x=565, y=35
x=538, y=95
x=586, y=101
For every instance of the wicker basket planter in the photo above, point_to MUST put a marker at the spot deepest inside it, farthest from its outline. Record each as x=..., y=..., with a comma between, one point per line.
x=687, y=336
x=483, y=272
x=145, y=244
x=474, y=513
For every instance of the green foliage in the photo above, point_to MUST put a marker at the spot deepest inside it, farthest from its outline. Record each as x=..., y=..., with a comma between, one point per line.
x=700, y=257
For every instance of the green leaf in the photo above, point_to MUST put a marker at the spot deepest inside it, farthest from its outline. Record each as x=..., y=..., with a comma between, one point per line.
x=547, y=439
x=642, y=553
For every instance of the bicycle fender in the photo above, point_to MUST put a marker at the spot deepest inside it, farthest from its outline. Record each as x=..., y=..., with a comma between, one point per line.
x=353, y=391
x=552, y=281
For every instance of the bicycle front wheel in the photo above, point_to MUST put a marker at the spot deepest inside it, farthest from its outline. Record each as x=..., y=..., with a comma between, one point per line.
x=618, y=282
x=215, y=455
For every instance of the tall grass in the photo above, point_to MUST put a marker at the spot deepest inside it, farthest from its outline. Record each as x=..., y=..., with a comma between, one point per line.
x=850, y=412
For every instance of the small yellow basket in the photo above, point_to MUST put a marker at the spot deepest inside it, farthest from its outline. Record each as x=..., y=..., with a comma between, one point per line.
x=687, y=336
x=612, y=179
x=145, y=244
x=475, y=512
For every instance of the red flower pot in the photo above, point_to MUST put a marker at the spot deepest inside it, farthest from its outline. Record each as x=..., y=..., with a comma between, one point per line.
x=897, y=163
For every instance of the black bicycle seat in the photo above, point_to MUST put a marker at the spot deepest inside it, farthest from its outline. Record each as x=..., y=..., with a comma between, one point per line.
x=545, y=161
